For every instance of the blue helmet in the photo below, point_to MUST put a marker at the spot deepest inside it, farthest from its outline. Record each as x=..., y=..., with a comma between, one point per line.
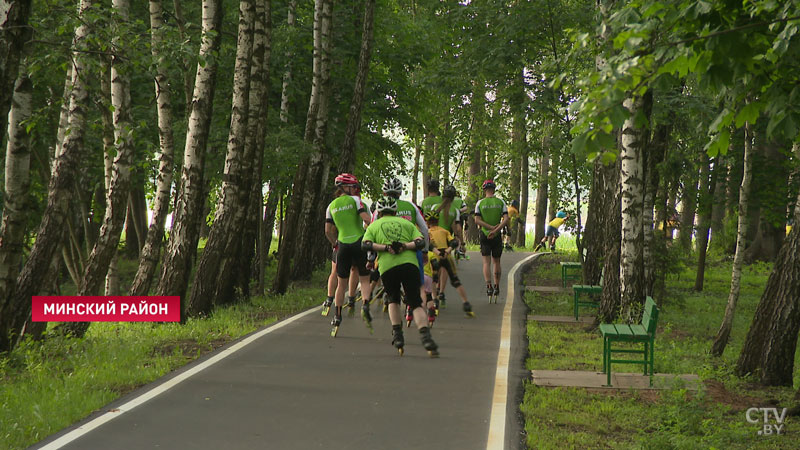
x=561, y=214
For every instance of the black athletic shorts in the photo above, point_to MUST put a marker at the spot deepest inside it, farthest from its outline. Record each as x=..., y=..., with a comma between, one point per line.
x=349, y=256
x=405, y=276
x=492, y=246
x=551, y=231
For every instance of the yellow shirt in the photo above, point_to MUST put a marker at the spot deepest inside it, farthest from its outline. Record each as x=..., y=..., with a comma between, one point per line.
x=428, y=268
x=439, y=236
x=557, y=222
x=513, y=212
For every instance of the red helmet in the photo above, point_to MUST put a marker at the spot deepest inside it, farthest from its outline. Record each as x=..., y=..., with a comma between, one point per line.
x=488, y=184
x=346, y=179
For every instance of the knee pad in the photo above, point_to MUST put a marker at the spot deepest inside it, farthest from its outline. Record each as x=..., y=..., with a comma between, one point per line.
x=455, y=281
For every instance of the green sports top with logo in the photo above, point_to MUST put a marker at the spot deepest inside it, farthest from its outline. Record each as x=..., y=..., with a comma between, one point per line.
x=491, y=211
x=446, y=219
x=345, y=212
x=390, y=229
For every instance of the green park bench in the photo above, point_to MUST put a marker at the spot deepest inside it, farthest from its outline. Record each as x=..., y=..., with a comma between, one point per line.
x=570, y=271
x=643, y=333
x=588, y=289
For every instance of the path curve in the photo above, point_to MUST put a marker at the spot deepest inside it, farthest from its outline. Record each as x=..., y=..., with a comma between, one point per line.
x=295, y=387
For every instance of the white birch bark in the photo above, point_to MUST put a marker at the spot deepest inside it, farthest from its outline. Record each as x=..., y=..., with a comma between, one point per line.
x=183, y=237
x=51, y=229
x=17, y=183
x=724, y=332
x=632, y=183
x=214, y=266
x=287, y=74
x=148, y=258
x=14, y=32
x=105, y=249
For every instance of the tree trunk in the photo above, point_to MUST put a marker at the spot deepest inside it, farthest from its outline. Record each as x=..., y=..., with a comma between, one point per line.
x=611, y=232
x=255, y=144
x=14, y=33
x=517, y=144
x=299, y=211
x=136, y=220
x=541, y=191
x=632, y=185
x=688, y=207
x=216, y=264
x=149, y=256
x=51, y=228
x=595, y=221
x=348, y=156
x=287, y=74
x=718, y=212
x=17, y=183
x=314, y=198
x=415, y=174
x=771, y=343
x=185, y=68
x=117, y=196
x=523, y=204
x=183, y=237
x=704, y=215
x=652, y=244
x=721, y=340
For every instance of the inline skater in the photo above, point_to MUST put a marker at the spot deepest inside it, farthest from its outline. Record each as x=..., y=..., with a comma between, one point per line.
x=513, y=220
x=396, y=240
x=343, y=227
x=551, y=232
x=491, y=215
x=333, y=281
x=463, y=212
x=444, y=243
x=433, y=199
x=393, y=188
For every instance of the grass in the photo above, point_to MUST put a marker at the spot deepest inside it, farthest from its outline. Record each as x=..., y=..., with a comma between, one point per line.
x=49, y=385
x=714, y=417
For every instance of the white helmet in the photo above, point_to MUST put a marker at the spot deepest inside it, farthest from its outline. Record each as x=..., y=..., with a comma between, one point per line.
x=386, y=203
x=393, y=186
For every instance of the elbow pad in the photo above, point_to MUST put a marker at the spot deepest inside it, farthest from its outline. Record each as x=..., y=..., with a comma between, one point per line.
x=419, y=244
x=366, y=246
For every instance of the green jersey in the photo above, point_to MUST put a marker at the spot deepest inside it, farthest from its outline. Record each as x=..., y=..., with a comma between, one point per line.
x=491, y=210
x=390, y=229
x=431, y=203
x=458, y=202
x=345, y=212
x=446, y=218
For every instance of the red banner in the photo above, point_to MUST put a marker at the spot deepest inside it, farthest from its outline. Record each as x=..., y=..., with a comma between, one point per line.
x=106, y=309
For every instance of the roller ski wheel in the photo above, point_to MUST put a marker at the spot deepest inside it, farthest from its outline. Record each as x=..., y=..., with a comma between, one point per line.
x=397, y=341
x=326, y=307
x=351, y=307
x=468, y=310
x=436, y=307
x=367, y=317
x=337, y=320
x=409, y=316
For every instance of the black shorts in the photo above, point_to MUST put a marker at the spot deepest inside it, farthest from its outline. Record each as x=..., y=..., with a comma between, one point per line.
x=405, y=276
x=349, y=256
x=551, y=231
x=492, y=246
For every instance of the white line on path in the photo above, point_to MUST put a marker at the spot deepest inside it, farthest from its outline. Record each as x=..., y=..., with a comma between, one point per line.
x=497, y=423
x=169, y=384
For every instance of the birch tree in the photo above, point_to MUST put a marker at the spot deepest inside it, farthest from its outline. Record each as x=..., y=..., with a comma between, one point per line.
x=216, y=264
x=148, y=257
x=14, y=33
x=724, y=332
x=632, y=184
x=17, y=183
x=51, y=228
x=182, y=244
x=347, y=159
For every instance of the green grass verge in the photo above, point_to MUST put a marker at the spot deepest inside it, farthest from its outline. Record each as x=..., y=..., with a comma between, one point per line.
x=46, y=386
x=713, y=418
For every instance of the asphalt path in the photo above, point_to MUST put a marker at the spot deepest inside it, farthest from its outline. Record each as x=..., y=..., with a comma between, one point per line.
x=299, y=388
